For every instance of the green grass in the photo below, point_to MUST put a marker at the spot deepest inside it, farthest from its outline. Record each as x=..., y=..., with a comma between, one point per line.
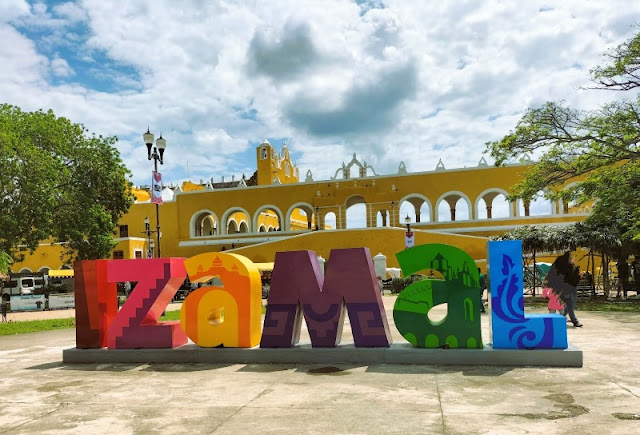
x=23, y=327
x=12, y=328
x=175, y=315
x=170, y=315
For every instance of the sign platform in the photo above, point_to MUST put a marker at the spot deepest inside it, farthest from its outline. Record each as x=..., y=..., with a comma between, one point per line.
x=398, y=353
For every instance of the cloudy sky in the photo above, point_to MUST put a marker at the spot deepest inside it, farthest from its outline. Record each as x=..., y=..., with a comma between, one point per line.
x=392, y=81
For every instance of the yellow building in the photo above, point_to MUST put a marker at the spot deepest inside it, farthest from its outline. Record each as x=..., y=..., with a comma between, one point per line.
x=274, y=210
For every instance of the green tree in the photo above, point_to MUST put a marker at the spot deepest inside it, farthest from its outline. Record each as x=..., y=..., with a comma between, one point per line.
x=5, y=260
x=59, y=183
x=599, y=149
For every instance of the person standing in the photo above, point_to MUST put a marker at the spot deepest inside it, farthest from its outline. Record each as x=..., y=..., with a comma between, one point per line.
x=4, y=311
x=563, y=278
x=482, y=281
x=572, y=278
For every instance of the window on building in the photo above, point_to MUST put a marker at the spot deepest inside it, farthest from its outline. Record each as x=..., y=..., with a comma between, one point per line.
x=124, y=230
x=263, y=154
x=118, y=255
x=138, y=254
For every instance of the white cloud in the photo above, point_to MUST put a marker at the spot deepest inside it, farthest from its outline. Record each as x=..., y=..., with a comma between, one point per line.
x=12, y=9
x=215, y=77
x=71, y=11
x=60, y=67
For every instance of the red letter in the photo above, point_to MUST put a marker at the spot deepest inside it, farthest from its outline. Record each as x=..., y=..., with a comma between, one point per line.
x=136, y=325
x=96, y=303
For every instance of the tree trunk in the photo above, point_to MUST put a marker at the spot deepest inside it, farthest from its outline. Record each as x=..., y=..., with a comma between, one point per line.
x=593, y=274
x=605, y=275
x=535, y=273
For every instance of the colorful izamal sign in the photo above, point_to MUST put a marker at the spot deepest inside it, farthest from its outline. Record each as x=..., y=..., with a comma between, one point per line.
x=230, y=315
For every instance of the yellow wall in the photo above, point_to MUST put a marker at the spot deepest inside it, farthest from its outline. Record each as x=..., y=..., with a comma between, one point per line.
x=257, y=205
x=272, y=164
x=387, y=241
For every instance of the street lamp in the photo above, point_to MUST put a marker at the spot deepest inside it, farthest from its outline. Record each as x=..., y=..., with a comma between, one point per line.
x=409, y=237
x=157, y=155
x=148, y=231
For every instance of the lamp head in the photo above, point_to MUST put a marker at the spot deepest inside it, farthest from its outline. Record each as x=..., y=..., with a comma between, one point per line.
x=148, y=140
x=407, y=220
x=161, y=144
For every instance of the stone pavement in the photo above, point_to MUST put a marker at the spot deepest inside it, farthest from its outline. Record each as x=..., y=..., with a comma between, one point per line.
x=40, y=394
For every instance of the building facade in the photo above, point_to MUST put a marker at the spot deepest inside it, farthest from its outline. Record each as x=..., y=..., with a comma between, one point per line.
x=275, y=210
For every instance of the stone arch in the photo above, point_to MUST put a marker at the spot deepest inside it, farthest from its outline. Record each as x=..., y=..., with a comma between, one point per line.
x=25, y=270
x=353, y=217
x=243, y=228
x=203, y=223
x=262, y=229
x=304, y=206
x=524, y=208
x=490, y=195
x=232, y=227
x=417, y=200
x=333, y=220
x=353, y=200
x=264, y=208
x=383, y=218
x=448, y=197
x=224, y=224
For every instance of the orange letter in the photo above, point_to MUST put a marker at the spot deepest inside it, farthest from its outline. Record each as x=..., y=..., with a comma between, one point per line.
x=229, y=315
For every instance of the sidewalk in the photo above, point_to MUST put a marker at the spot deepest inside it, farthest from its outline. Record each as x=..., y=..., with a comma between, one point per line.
x=40, y=394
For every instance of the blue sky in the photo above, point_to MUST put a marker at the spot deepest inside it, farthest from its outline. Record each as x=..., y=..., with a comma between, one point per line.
x=393, y=80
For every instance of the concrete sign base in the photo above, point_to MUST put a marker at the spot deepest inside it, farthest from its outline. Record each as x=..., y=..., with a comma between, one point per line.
x=399, y=353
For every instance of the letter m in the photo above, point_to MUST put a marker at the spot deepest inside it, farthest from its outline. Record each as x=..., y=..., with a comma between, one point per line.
x=298, y=289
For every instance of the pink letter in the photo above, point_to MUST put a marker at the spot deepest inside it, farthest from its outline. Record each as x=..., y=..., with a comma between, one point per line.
x=136, y=325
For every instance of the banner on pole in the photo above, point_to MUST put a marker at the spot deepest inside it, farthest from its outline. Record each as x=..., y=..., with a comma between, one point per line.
x=409, y=239
x=156, y=188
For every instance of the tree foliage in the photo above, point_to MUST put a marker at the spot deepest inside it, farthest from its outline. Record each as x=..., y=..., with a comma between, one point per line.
x=601, y=241
x=599, y=150
x=57, y=182
x=5, y=260
x=622, y=71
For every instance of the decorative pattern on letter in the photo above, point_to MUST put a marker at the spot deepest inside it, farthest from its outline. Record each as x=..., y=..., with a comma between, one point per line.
x=510, y=327
x=229, y=315
x=297, y=282
x=136, y=325
x=459, y=289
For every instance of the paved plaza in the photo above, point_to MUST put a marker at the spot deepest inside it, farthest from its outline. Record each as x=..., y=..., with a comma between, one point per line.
x=41, y=394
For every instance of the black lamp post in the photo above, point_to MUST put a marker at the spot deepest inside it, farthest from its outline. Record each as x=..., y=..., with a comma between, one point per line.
x=156, y=155
x=409, y=239
x=148, y=231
